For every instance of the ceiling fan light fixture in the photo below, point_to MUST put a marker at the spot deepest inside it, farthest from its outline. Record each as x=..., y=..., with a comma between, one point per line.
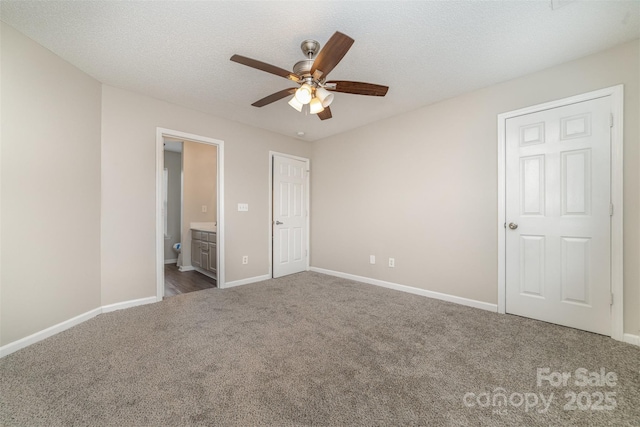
x=315, y=106
x=296, y=104
x=304, y=94
x=325, y=96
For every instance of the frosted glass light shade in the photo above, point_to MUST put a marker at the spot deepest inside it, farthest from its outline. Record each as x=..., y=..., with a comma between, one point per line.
x=325, y=96
x=315, y=106
x=296, y=104
x=303, y=94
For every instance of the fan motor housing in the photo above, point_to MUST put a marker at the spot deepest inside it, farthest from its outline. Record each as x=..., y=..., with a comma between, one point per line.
x=303, y=68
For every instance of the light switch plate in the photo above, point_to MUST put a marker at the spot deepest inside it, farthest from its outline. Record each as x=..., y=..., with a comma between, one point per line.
x=243, y=207
x=372, y=259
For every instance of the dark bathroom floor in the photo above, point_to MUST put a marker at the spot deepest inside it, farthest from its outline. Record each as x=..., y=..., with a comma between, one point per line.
x=177, y=282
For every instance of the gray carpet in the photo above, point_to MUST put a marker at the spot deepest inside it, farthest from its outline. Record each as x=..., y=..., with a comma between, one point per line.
x=310, y=349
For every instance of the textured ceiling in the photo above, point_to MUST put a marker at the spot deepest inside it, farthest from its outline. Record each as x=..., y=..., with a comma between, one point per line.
x=179, y=51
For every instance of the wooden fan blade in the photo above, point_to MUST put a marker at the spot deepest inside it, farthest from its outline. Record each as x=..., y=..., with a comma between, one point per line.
x=263, y=66
x=274, y=97
x=357, y=88
x=333, y=51
x=325, y=114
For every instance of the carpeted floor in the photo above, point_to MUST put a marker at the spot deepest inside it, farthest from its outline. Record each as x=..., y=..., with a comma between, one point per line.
x=310, y=349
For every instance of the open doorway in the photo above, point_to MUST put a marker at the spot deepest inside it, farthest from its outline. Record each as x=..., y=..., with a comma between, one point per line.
x=190, y=223
x=190, y=216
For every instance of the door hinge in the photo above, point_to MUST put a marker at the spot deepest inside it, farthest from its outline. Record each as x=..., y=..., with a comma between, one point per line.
x=610, y=209
x=505, y=225
x=611, y=303
x=610, y=120
x=306, y=252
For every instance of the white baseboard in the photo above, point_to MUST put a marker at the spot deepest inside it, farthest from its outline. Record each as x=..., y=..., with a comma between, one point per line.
x=46, y=333
x=410, y=289
x=63, y=326
x=128, y=304
x=631, y=339
x=171, y=261
x=246, y=281
x=184, y=268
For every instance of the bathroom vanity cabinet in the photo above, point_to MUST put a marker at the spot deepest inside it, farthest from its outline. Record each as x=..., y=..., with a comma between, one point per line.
x=204, y=252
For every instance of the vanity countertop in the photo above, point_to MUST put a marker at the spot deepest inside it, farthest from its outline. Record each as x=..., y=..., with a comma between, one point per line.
x=208, y=230
x=209, y=227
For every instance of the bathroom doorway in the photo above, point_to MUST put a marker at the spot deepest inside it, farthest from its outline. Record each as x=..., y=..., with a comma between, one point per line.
x=190, y=219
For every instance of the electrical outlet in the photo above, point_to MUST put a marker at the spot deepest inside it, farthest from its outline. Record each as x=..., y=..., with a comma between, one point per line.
x=372, y=259
x=243, y=207
x=204, y=208
x=392, y=262
x=245, y=259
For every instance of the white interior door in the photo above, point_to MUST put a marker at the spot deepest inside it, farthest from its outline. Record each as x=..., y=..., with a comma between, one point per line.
x=290, y=232
x=558, y=202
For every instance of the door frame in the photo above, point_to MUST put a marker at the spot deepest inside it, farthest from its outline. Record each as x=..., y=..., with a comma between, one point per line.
x=272, y=154
x=161, y=134
x=617, y=285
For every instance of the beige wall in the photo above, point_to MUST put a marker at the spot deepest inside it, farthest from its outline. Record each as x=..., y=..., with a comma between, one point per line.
x=50, y=189
x=173, y=164
x=422, y=187
x=129, y=124
x=200, y=162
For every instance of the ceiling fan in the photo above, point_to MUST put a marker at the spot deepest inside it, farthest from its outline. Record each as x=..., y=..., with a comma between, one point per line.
x=311, y=75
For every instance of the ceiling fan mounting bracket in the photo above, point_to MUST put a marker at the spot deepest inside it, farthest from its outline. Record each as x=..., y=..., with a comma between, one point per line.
x=310, y=48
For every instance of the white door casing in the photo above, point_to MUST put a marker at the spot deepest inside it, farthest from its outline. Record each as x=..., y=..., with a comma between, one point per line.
x=290, y=215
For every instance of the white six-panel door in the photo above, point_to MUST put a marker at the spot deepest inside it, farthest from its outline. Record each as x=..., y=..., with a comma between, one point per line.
x=558, y=215
x=290, y=232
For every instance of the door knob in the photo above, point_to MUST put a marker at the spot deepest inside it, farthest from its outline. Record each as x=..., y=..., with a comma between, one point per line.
x=279, y=223
x=513, y=225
